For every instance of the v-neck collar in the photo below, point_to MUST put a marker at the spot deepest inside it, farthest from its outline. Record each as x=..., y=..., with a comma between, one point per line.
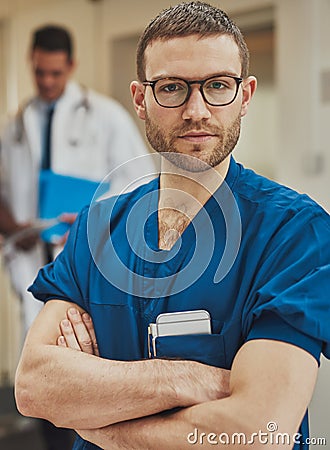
x=151, y=225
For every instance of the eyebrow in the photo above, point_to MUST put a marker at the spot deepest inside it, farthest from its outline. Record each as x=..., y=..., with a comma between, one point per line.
x=215, y=74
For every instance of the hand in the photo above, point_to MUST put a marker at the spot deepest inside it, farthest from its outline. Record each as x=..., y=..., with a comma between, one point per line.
x=26, y=237
x=207, y=383
x=78, y=332
x=66, y=218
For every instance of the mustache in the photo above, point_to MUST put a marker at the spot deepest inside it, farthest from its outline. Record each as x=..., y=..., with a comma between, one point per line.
x=197, y=126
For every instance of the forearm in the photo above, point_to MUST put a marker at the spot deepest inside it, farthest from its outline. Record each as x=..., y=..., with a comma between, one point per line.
x=268, y=386
x=200, y=425
x=74, y=389
x=77, y=390
x=234, y=422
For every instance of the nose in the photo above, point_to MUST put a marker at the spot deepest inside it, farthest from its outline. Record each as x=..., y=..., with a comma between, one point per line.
x=196, y=108
x=46, y=80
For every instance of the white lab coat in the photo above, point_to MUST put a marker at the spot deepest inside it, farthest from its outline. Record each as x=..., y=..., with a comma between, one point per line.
x=91, y=136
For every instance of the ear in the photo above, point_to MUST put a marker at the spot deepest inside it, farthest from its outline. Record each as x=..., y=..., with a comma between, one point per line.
x=72, y=65
x=249, y=86
x=137, y=92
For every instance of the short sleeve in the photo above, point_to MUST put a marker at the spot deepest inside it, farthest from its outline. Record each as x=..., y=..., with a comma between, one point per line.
x=272, y=326
x=62, y=279
x=291, y=300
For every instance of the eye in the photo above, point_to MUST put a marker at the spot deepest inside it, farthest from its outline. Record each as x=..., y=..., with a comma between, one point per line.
x=171, y=87
x=216, y=85
x=39, y=72
x=56, y=73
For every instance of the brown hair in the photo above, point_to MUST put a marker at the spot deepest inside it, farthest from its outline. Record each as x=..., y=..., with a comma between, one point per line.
x=53, y=38
x=186, y=19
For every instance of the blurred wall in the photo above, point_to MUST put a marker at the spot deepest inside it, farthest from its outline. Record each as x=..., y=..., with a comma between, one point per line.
x=10, y=331
x=303, y=73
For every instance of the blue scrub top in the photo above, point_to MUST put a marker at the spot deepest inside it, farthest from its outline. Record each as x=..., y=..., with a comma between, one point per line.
x=256, y=257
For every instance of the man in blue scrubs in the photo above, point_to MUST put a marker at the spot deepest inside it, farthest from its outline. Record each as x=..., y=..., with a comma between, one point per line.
x=209, y=235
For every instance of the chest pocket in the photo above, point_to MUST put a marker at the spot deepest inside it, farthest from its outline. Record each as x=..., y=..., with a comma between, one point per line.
x=204, y=348
x=217, y=349
x=119, y=331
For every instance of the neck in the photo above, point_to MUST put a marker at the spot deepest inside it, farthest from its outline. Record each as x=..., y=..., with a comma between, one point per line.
x=180, y=186
x=182, y=195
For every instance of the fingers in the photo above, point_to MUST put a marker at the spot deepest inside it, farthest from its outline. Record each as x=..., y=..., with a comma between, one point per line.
x=78, y=332
x=61, y=342
x=69, y=334
x=68, y=217
x=90, y=328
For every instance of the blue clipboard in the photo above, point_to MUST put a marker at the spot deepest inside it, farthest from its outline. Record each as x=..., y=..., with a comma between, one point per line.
x=60, y=194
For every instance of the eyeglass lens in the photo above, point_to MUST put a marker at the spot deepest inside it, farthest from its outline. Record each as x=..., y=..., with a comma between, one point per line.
x=172, y=92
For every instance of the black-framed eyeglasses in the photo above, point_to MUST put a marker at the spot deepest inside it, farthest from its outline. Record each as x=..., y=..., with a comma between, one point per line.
x=219, y=90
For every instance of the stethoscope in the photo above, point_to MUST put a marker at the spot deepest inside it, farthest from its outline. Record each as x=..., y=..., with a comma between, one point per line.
x=79, y=114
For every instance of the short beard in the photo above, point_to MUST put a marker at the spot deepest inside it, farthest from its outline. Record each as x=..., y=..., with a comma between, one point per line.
x=227, y=140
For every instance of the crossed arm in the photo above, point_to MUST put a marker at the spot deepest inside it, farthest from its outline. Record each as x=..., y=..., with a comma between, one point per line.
x=269, y=381
x=81, y=390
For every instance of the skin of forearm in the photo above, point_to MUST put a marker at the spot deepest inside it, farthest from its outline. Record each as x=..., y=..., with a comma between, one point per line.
x=77, y=390
x=277, y=388
x=171, y=431
x=202, y=423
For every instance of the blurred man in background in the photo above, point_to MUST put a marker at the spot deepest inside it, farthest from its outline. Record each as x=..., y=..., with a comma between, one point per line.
x=66, y=128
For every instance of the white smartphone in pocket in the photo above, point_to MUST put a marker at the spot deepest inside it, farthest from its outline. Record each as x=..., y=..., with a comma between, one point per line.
x=183, y=322
x=178, y=323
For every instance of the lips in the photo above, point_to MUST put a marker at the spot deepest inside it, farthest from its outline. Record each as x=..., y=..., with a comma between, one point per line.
x=197, y=136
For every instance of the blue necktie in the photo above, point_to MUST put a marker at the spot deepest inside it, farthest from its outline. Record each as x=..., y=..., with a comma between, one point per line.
x=46, y=165
x=47, y=156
